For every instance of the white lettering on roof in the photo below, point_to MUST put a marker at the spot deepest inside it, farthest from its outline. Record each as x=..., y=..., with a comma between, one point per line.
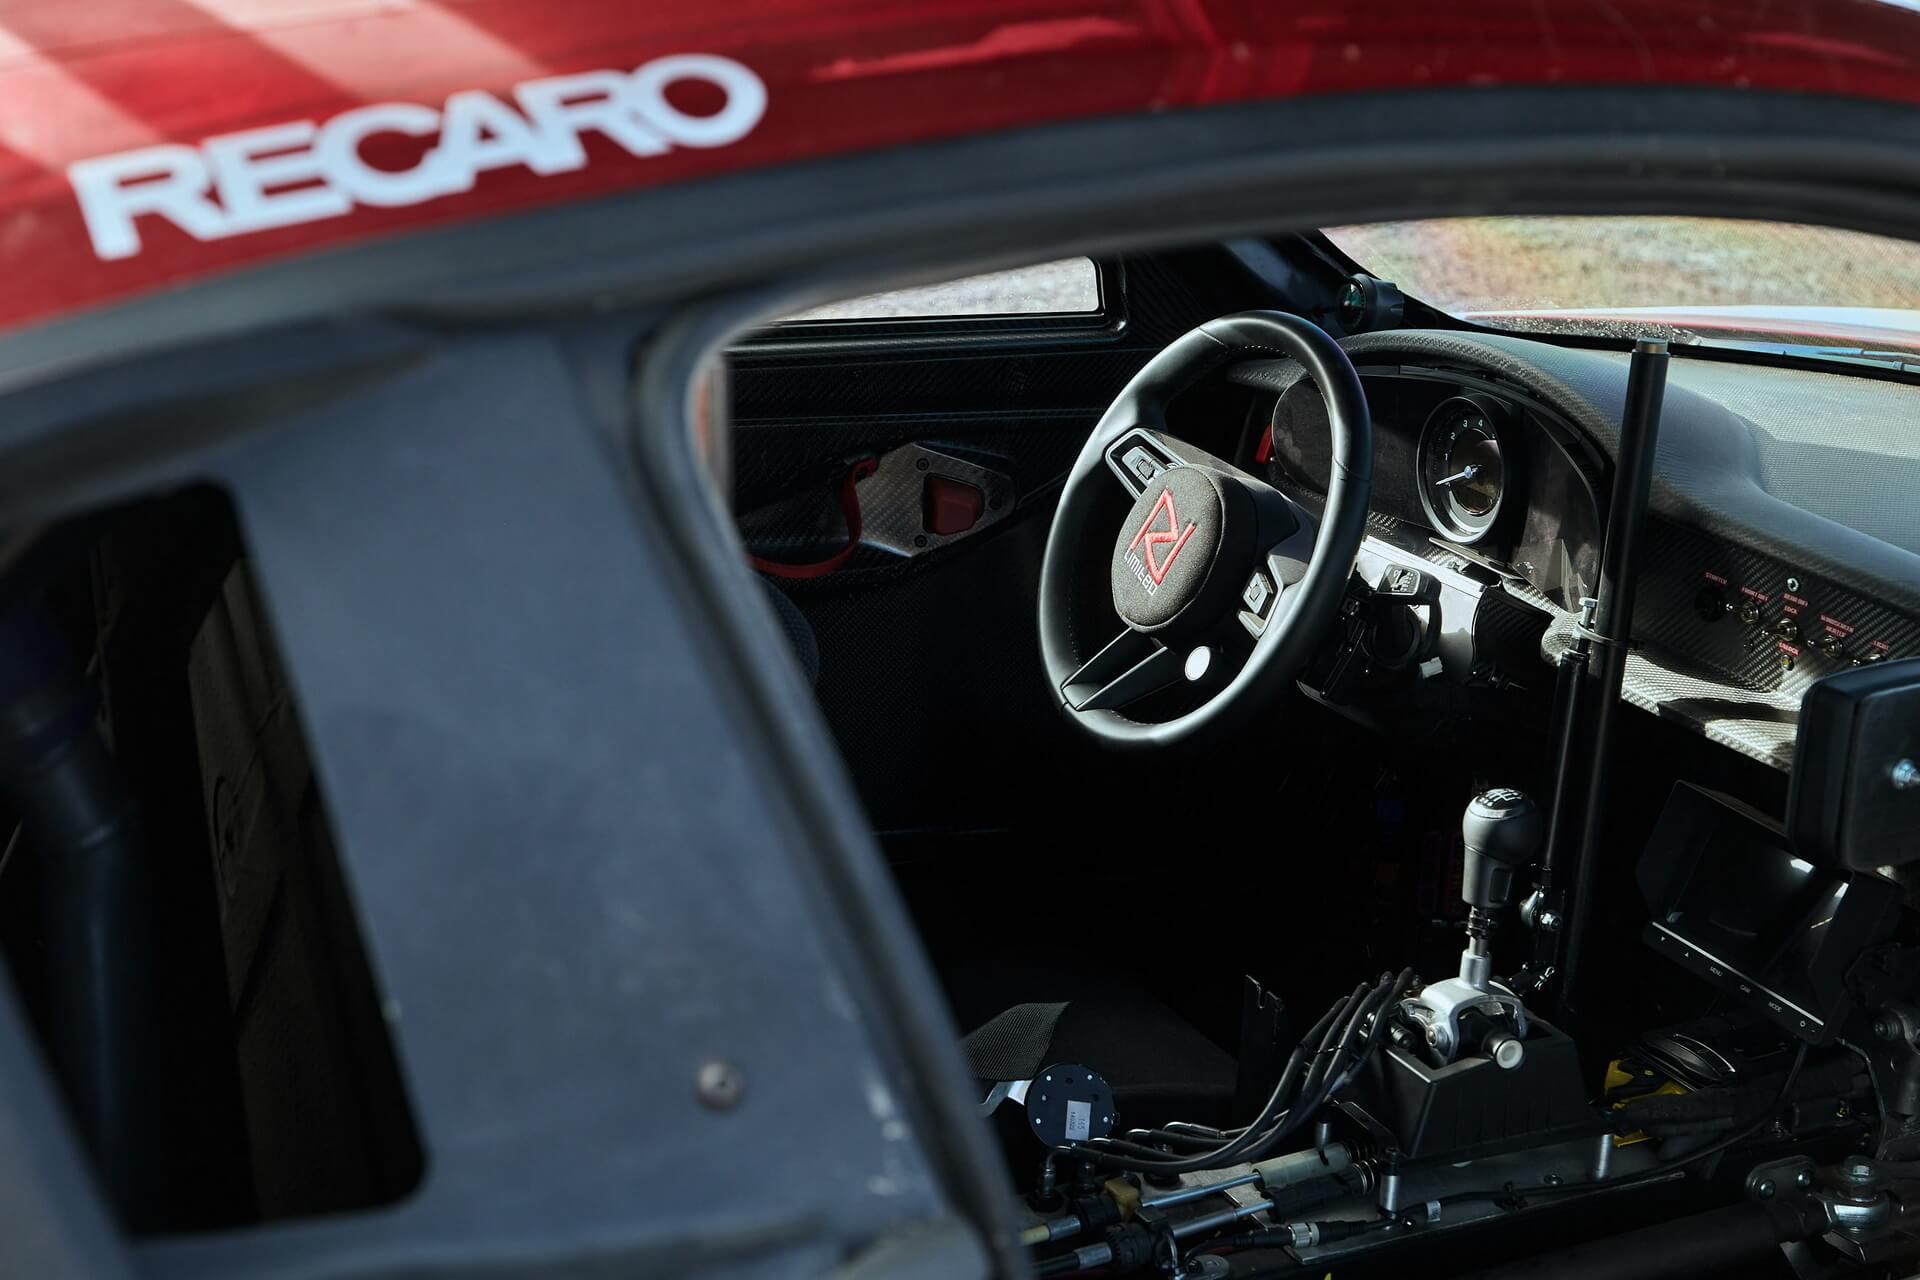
x=301, y=171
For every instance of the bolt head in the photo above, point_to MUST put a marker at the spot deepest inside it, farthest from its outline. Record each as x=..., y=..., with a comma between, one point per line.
x=1858, y=1169
x=1882, y=1029
x=1764, y=1190
x=719, y=1084
x=1804, y=1178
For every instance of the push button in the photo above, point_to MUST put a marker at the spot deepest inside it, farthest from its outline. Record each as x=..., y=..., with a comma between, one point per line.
x=1258, y=592
x=1143, y=464
x=1258, y=597
x=949, y=506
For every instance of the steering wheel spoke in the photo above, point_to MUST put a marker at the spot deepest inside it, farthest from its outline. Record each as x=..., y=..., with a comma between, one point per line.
x=1267, y=598
x=1128, y=669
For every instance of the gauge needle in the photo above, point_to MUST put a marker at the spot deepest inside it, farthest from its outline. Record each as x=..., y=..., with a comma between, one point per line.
x=1465, y=473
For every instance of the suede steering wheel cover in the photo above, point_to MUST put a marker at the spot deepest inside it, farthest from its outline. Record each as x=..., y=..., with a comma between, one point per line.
x=1286, y=644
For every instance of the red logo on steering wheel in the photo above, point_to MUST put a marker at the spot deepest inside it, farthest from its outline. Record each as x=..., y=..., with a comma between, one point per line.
x=1157, y=569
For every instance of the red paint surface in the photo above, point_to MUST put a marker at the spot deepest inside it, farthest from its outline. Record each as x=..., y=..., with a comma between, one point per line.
x=85, y=79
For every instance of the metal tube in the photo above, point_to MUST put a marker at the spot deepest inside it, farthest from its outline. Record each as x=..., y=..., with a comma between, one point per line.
x=1613, y=626
x=1563, y=815
x=1061, y=1228
x=1219, y=1218
x=1602, y=1159
x=1185, y=1194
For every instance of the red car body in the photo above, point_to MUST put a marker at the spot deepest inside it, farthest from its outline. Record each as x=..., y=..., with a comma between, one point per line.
x=279, y=130
x=203, y=205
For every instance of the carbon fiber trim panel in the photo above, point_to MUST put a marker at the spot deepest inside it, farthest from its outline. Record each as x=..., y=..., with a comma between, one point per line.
x=1759, y=623
x=792, y=521
x=893, y=499
x=1723, y=678
x=1756, y=724
x=1699, y=662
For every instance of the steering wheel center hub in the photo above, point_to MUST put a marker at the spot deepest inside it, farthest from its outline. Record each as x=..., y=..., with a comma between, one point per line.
x=1168, y=547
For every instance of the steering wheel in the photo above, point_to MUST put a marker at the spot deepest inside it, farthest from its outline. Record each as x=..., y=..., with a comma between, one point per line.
x=1205, y=551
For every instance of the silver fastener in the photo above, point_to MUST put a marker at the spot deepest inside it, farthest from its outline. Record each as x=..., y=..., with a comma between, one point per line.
x=719, y=1084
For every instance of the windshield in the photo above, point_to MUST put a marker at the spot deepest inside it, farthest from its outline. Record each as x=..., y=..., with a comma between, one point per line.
x=1722, y=281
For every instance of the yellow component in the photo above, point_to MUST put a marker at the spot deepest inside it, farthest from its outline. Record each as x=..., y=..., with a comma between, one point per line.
x=1126, y=1195
x=1036, y=1234
x=1618, y=1077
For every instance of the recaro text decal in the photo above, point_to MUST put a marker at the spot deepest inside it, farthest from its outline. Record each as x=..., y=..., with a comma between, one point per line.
x=302, y=172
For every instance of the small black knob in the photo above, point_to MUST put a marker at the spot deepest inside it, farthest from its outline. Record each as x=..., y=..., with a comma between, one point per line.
x=1711, y=604
x=1503, y=831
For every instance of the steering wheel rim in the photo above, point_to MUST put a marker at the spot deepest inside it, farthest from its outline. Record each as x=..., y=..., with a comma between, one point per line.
x=1307, y=565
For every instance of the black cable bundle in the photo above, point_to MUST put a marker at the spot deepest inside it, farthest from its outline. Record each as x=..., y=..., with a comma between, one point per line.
x=1339, y=1044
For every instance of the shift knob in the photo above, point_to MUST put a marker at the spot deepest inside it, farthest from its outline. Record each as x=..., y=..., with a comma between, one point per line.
x=1503, y=831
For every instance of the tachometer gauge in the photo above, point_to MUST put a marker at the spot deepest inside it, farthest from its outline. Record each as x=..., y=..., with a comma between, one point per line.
x=1463, y=470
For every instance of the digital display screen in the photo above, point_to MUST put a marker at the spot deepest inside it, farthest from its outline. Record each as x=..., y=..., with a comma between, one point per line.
x=1759, y=911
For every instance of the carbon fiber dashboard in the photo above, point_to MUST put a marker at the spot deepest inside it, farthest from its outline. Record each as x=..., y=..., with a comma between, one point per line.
x=1771, y=562
x=1549, y=531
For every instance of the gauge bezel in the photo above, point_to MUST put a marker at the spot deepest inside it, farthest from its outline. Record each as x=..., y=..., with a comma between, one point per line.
x=1449, y=518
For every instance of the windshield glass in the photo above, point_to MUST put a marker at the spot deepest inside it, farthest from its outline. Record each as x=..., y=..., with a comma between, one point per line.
x=1728, y=282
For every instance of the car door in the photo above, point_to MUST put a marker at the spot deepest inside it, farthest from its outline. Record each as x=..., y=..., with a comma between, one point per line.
x=940, y=438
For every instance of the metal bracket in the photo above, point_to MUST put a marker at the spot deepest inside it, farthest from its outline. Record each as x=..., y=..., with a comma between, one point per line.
x=1003, y=1090
x=1859, y=1207
x=892, y=504
x=1583, y=625
x=1440, y=1006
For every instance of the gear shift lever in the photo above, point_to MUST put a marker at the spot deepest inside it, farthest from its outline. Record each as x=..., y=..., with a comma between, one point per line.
x=1503, y=831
